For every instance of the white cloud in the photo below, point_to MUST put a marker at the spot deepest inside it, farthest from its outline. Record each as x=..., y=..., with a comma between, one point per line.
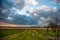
x=44, y=7
x=33, y=2
x=35, y=14
x=19, y=12
x=10, y=18
x=40, y=9
x=54, y=9
x=31, y=9
x=42, y=18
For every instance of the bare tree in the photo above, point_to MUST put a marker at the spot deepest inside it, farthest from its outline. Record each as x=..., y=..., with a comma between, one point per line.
x=55, y=27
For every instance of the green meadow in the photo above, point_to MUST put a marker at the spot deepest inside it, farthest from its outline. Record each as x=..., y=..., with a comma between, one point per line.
x=24, y=34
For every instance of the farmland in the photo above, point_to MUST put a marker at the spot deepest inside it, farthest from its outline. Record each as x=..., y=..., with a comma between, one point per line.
x=26, y=34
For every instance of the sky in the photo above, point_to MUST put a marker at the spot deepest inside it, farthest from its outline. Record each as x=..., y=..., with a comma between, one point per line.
x=30, y=12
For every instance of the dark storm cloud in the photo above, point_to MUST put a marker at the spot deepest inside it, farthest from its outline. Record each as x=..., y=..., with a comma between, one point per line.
x=24, y=20
x=13, y=3
x=6, y=6
x=9, y=10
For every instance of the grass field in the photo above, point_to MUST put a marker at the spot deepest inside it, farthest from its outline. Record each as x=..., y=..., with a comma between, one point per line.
x=16, y=34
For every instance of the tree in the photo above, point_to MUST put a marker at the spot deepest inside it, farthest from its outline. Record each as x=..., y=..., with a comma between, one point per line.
x=55, y=27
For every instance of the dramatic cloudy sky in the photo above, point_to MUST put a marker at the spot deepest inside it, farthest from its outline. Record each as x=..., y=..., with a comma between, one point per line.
x=30, y=12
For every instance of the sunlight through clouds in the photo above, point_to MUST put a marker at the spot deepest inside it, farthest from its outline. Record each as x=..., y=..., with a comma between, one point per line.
x=33, y=2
